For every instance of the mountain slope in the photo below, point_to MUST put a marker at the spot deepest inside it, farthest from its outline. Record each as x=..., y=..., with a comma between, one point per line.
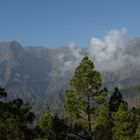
x=40, y=75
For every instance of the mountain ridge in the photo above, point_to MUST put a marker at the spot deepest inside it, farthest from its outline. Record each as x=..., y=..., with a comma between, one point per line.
x=40, y=75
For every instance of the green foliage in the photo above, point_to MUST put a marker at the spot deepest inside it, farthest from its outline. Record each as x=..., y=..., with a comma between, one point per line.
x=88, y=110
x=103, y=117
x=84, y=98
x=85, y=78
x=136, y=114
x=50, y=127
x=137, y=134
x=101, y=97
x=115, y=100
x=15, y=118
x=124, y=125
x=103, y=122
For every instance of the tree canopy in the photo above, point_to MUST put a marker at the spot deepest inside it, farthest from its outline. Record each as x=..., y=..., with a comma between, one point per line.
x=84, y=98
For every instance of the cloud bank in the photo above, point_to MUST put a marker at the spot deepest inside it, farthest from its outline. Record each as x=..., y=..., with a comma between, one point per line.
x=109, y=54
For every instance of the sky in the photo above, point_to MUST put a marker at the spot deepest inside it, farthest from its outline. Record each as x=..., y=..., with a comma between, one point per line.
x=54, y=23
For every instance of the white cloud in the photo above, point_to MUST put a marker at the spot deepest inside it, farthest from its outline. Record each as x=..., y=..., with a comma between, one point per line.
x=108, y=54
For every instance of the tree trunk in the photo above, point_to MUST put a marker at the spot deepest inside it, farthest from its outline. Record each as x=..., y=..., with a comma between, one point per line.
x=89, y=119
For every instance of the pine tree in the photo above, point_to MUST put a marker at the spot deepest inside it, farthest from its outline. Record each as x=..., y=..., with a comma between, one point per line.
x=80, y=101
x=50, y=127
x=15, y=119
x=103, y=121
x=115, y=100
x=124, y=124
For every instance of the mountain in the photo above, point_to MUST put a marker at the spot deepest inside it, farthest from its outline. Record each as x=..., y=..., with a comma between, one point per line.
x=40, y=75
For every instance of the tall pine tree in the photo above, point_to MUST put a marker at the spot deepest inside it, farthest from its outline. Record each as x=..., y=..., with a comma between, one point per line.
x=80, y=101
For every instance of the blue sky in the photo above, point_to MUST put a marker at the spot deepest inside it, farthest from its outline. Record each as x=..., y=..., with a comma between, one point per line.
x=54, y=23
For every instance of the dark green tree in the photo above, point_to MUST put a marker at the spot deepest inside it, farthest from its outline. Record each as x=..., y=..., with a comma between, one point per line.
x=50, y=127
x=115, y=100
x=15, y=119
x=124, y=124
x=103, y=121
x=2, y=93
x=80, y=102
